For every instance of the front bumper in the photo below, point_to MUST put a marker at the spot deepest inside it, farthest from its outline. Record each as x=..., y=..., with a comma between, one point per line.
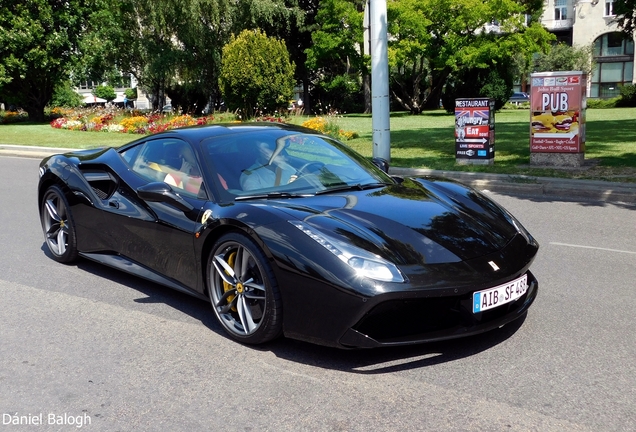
x=413, y=320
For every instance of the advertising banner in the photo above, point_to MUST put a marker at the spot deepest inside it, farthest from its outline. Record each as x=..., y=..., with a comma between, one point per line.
x=475, y=131
x=557, y=112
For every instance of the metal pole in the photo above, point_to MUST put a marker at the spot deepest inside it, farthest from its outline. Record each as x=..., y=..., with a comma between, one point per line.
x=380, y=80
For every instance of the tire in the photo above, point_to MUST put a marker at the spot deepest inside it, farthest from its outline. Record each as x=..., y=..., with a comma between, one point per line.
x=58, y=225
x=243, y=290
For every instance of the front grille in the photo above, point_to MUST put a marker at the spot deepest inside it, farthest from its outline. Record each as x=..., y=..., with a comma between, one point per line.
x=414, y=319
x=402, y=318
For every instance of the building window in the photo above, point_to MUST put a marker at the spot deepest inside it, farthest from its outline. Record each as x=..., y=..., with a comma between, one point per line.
x=87, y=85
x=614, y=58
x=613, y=44
x=560, y=10
x=609, y=7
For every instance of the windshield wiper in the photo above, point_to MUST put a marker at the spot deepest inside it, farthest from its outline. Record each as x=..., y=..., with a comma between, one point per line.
x=270, y=195
x=357, y=186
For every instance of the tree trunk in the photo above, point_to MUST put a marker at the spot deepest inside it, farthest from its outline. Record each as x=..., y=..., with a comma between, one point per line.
x=37, y=99
x=36, y=113
x=366, y=87
x=306, y=99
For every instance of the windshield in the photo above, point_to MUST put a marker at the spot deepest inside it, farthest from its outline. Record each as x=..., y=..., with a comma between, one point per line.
x=285, y=163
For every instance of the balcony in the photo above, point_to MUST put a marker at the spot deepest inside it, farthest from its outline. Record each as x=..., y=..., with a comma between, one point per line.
x=562, y=24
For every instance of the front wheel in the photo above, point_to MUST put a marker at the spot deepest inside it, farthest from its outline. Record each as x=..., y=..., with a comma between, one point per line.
x=243, y=290
x=58, y=225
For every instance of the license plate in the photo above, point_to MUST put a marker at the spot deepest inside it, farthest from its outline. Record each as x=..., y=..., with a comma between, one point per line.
x=497, y=296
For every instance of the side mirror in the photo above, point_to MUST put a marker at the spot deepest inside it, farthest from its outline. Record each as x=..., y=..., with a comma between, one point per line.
x=381, y=163
x=162, y=192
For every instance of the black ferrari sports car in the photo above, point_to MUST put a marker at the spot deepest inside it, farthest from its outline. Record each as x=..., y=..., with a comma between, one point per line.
x=289, y=232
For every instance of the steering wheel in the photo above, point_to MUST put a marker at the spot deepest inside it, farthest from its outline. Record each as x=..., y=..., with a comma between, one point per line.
x=305, y=168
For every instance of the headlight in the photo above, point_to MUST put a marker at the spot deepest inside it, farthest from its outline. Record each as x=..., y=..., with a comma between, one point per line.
x=363, y=262
x=521, y=229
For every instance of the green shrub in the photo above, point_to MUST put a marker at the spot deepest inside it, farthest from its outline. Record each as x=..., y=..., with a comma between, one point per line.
x=602, y=103
x=257, y=75
x=65, y=96
x=628, y=96
x=131, y=93
x=105, y=92
x=342, y=91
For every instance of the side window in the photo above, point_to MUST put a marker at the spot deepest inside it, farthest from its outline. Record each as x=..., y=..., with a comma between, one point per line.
x=131, y=154
x=168, y=160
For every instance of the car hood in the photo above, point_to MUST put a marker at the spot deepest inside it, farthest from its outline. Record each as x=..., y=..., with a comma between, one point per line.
x=419, y=221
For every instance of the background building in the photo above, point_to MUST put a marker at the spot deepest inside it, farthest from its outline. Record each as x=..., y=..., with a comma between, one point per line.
x=591, y=22
x=125, y=82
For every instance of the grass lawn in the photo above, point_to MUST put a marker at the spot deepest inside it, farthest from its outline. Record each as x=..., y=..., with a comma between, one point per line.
x=425, y=141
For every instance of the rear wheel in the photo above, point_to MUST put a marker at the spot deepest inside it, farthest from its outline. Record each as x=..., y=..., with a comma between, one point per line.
x=243, y=290
x=58, y=225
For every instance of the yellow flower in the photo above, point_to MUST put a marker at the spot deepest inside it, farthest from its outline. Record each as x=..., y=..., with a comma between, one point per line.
x=134, y=122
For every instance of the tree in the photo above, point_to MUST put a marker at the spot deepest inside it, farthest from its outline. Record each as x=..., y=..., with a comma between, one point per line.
x=563, y=57
x=39, y=43
x=433, y=39
x=494, y=82
x=336, y=54
x=256, y=73
x=625, y=11
x=139, y=37
x=175, y=48
x=295, y=23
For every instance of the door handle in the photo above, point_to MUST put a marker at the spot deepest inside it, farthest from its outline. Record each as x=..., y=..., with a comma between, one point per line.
x=113, y=203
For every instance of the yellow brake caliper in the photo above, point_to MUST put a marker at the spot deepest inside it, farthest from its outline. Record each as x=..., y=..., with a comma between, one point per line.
x=226, y=286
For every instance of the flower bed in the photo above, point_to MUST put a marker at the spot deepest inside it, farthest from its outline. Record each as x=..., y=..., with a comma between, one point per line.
x=329, y=127
x=137, y=122
x=7, y=117
x=117, y=120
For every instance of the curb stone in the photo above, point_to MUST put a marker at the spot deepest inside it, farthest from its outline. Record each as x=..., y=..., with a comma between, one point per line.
x=31, y=152
x=592, y=190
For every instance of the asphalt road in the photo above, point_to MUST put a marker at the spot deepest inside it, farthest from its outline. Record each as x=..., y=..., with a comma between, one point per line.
x=83, y=345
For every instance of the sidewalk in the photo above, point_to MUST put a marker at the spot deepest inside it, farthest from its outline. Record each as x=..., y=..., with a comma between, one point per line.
x=544, y=187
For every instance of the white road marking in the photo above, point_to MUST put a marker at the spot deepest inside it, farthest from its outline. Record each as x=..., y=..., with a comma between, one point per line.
x=592, y=247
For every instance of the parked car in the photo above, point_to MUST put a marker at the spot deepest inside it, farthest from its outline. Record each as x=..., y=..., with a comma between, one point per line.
x=289, y=232
x=519, y=97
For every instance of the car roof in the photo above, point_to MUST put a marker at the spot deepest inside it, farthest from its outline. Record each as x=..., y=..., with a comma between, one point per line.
x=197, y=133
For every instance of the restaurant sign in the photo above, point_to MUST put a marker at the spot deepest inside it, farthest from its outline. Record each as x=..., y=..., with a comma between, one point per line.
x=475, y=131
x=557, y=112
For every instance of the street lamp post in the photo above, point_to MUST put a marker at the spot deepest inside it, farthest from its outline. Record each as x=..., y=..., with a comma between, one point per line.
x=379, y=79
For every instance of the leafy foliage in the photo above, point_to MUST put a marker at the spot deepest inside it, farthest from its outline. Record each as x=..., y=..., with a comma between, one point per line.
x=189, y=97
x=105, y=92
x=65, y=96
x=39, y=43
x=175, y=47
x=626, y=15
x=602, y=103
x=495, y=82
x=335, y=55
x=563, y=57
x=433, y=39
x=256, y=74
x=131, y=93
x=628, y=95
